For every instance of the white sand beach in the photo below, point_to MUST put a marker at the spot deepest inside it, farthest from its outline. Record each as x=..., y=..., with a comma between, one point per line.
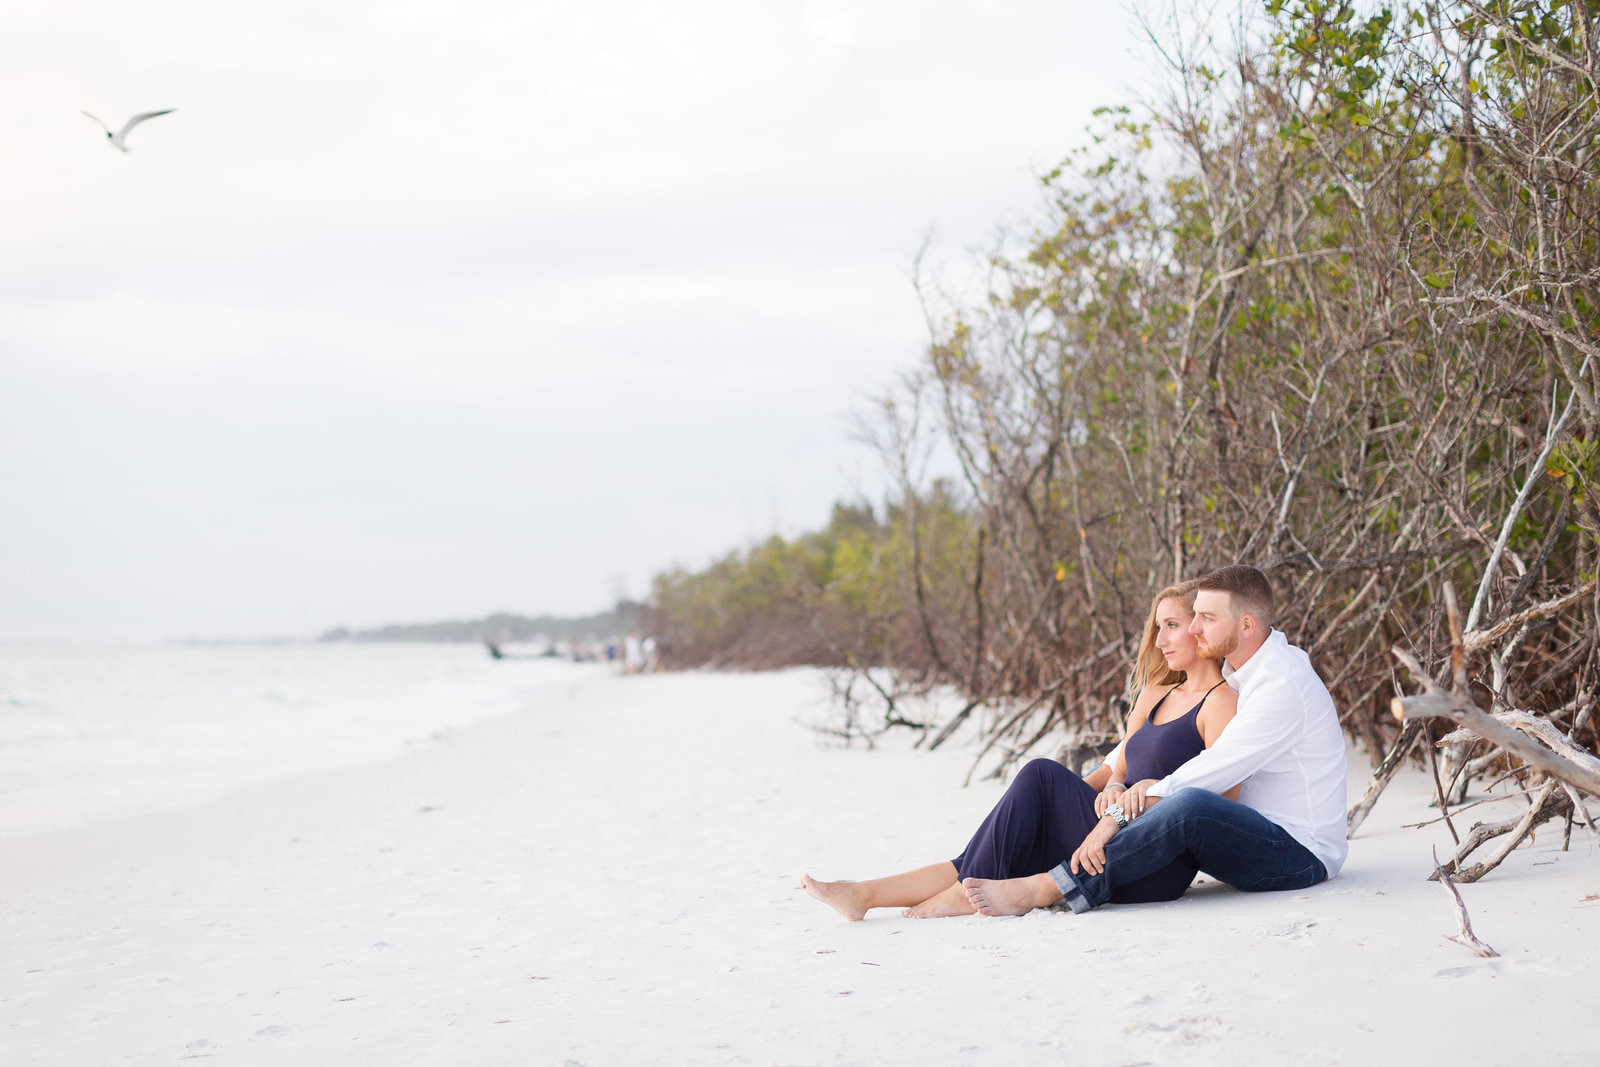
x=611, y=876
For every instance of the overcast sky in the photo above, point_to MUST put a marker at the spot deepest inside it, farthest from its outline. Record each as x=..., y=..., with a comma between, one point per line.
x=420, y=310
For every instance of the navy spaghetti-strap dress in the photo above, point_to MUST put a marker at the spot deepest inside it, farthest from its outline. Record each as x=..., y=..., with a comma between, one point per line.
x=1047, y=811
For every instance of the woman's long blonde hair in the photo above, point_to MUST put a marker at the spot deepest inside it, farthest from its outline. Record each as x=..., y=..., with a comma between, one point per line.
x=1150, y=666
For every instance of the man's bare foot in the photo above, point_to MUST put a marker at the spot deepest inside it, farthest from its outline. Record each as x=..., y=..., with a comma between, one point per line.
x=1011, y=896
x=953, y=901
x=843, y=897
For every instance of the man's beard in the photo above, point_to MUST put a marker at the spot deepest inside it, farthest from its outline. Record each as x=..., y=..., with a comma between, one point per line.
x=1222, y=649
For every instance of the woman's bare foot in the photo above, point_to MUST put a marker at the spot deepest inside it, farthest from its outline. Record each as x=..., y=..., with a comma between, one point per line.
x=1011, y=896
x=843, y=897
x=953, y=901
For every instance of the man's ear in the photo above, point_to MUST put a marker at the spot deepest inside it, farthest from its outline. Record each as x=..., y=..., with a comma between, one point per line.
x=1248, y=625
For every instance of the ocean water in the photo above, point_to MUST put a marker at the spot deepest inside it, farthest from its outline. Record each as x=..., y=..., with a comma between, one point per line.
x=93, y=732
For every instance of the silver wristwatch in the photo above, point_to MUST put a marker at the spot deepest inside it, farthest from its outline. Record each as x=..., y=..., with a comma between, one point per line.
x=1117, y=815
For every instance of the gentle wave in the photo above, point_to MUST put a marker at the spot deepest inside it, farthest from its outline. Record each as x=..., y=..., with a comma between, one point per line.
x=92, y=732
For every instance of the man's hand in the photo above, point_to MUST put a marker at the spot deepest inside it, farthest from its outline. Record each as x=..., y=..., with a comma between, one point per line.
x=1107, y=796
x=1091, y=855
x=1137, y=799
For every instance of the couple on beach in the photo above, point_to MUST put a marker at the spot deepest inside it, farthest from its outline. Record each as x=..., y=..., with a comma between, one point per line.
x=1244, y=781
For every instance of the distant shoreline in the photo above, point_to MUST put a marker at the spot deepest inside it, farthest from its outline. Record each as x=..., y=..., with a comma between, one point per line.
x=503, y=627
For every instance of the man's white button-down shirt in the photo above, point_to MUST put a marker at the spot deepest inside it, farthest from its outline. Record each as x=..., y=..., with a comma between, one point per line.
x=1285, y=746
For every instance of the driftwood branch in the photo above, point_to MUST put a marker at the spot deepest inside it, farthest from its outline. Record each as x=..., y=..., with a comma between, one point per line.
x=1582, y=814
x=1465, y=936
x=1477, y=639
x=1547, y=804
x=950, y=727
x=1531, y=739
x=1458, y=708
x=1410, y=734
x=1457, y=705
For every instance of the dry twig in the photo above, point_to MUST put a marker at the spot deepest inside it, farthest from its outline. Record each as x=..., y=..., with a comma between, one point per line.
x=1466, y=936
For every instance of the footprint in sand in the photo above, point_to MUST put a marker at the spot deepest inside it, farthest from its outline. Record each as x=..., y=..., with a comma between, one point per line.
x=1294, y=930
x=1469, y=970
x=1180, y=1030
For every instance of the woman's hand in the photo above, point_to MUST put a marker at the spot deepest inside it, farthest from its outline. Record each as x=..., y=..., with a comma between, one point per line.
x=1091, y=855
x=1107, y=796
x=1137, y=799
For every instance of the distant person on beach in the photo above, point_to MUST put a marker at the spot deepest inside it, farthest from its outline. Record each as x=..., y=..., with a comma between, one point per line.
x=1287, y=828
x=632, y=654
x=1048, y=812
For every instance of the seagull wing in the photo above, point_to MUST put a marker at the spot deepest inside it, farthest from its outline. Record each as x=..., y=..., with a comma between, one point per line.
x=103, y=126
x=122, y=134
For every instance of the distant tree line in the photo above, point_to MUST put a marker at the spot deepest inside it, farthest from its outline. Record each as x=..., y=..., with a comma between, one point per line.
x=501, y=626
x=832, y=597
x=1330, y=305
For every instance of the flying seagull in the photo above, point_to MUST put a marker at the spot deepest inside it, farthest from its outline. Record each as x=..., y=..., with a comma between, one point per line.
x=119, y=140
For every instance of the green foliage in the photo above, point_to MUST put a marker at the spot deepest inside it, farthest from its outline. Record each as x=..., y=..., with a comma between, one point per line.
x=834, y=596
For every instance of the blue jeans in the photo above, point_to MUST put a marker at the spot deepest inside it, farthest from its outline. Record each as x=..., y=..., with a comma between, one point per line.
x=1230, y=842
x=1045, y=814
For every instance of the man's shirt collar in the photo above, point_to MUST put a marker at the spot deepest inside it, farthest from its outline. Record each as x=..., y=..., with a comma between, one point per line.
x=1238, y=679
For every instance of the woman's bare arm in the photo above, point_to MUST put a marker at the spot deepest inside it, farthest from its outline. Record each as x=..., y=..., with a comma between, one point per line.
x=1097, y=781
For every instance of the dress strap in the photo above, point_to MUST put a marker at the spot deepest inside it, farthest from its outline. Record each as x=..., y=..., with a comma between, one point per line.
x=1201, y=702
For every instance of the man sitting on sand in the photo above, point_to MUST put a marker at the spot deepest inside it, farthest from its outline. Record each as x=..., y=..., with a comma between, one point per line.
x=1286, y=831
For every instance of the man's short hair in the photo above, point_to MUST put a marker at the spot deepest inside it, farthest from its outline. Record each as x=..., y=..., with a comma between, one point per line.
x=1249, y=592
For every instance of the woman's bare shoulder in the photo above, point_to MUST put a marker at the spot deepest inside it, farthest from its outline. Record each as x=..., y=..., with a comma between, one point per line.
x=1219, y=708
x=1224, y=697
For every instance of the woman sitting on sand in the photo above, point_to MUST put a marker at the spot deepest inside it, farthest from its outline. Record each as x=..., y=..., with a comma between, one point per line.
x=1048, y=813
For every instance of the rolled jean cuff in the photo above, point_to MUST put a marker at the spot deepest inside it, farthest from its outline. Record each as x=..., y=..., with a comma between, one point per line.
x=1071, y=892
